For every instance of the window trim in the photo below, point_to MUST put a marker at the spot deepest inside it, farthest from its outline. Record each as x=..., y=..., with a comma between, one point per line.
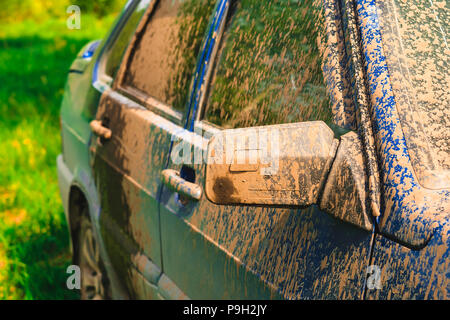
x=194, y=121
x=200, y=112
x=103, y=82
x=152, y=104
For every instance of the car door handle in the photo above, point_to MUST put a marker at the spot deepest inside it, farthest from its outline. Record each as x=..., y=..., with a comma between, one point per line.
x=99, y=130
x=172, y=179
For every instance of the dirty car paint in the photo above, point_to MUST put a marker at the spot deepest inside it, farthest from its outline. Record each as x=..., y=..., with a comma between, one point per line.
x=321, y=252
x=292, y=173
x=412, y=214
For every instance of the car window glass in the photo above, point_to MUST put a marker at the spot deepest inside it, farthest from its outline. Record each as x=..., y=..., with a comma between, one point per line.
x=163, y=60
x=117, y=49
x=269, y=68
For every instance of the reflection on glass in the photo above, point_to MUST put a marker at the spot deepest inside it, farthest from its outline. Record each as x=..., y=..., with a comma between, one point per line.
x=164, y=59
x=269, y=68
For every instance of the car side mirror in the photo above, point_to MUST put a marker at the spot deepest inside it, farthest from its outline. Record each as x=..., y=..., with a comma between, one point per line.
x=295, y=165
x=284, y=165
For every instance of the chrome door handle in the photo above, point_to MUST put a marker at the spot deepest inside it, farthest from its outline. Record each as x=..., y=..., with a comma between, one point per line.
x=172, y=179
x=99, y=130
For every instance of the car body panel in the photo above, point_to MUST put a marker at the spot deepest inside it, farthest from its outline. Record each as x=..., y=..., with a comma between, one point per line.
x=74, y=170
x=413, y=249
x=130, y=219
x=295, y=254
x=79, y=105
x=410, y=211
x=416, y=52
x=407, y=274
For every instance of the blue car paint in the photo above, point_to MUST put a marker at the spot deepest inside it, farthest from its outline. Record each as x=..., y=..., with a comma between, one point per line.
x=395, y=146
x=212, y=38
x=89, y=53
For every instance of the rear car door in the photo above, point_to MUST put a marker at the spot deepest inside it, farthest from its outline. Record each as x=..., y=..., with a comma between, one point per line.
x=262, y=66
x=134, y=125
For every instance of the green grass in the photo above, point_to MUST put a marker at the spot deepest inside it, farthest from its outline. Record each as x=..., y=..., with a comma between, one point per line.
x=34, y=241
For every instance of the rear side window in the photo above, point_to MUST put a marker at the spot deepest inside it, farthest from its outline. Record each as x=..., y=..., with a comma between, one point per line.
x=117, y=50
x=269, y=66
x=163, y=60
x=125, y=29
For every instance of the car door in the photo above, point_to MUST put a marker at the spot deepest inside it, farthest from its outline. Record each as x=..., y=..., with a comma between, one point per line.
x=262, y=67
x=134, y=125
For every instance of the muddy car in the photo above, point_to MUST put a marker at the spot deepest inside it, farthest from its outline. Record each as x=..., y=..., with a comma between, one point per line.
x=246, y=149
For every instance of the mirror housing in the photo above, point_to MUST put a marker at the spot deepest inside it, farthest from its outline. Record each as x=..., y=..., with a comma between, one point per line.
x=279, y=165
x=345, y=194
x=294, y=165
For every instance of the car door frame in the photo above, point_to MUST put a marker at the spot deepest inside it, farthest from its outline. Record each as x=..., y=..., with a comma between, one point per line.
x=86, y=183
x=148, y=274
x=163, y=286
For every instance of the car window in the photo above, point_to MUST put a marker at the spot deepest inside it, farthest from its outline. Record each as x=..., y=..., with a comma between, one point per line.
x=117, y=49
x=163, y=60
x=269, y=66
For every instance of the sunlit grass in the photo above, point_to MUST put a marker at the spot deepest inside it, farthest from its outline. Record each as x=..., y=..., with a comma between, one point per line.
x=34, y=241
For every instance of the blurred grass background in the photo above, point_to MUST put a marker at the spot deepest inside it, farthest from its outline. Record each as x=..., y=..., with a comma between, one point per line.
x=36, y=50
